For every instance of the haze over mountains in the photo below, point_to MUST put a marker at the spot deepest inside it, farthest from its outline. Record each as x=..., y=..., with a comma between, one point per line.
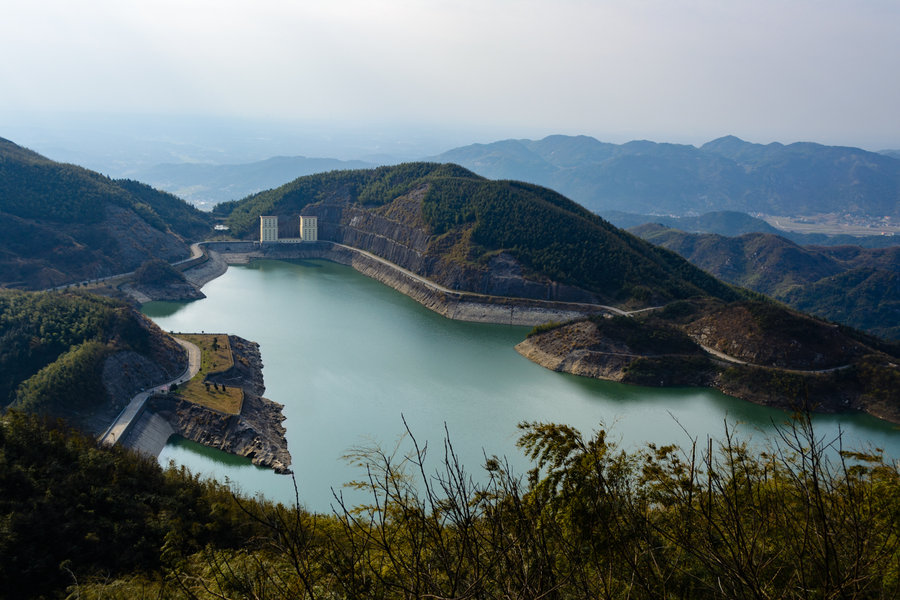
x=727, y=174
x=724, y=174
x=205, y=185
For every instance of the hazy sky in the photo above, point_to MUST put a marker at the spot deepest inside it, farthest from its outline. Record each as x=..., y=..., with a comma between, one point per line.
x=668, y=70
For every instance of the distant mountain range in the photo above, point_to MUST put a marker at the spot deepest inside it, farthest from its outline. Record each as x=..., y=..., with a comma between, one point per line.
x=724, y=174
x=61, y=223
x=636, y=177
x=846, y=284
x=205, y=185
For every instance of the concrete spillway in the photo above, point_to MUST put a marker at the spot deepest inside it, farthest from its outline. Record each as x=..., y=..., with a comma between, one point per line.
x=149, y=434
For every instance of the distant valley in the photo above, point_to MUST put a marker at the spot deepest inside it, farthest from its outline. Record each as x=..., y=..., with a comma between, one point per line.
x=205, y=185
x=731, y=223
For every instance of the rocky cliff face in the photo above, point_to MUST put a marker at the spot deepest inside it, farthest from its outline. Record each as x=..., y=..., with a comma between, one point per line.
x=172, y=292
x=580, y=350
x=257, y=433
x=126, y=373
x=396, y=232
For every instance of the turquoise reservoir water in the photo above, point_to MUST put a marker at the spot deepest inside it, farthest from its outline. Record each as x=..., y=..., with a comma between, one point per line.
x=351, y=358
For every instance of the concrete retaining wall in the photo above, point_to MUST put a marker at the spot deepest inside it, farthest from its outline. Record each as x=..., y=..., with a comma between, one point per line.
x=461, y=306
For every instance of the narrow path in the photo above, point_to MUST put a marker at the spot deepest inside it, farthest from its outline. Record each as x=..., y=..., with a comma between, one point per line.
x=196, y=252
x=120, y=426
x=737, y=361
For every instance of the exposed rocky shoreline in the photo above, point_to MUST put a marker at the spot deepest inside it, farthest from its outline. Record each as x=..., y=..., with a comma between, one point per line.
x=178, y=292
x=866, y=383
x=257, y=433
x=458, y=305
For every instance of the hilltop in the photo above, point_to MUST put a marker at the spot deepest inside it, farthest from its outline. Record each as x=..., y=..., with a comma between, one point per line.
x=472, y=234
x=724, y=174
x=61, y=223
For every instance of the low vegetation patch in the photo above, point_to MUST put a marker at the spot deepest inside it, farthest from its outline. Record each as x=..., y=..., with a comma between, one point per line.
x=216, y=357
x=545, y=327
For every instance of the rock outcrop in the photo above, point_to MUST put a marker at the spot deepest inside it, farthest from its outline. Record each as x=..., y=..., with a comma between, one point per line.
x=125, y=373
x=175, y=292
x=656, y=351
x=257, y=433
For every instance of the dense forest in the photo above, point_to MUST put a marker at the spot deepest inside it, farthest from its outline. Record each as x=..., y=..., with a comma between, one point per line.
x=53, y=346
x=795, y=517
x=32, y=186
x=471, y=219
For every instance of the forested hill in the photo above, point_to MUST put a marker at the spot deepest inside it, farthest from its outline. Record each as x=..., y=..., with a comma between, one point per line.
x=60, y=223
x=847, y=284
x=724, y=174
x=467, y=232
x=56, y=348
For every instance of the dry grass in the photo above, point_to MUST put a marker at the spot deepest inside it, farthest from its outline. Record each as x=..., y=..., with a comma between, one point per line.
x=216, y=357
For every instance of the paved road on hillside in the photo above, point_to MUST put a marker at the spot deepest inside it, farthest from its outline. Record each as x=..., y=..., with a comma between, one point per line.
x=196, y=252
x=114, y=434
x=435, y=286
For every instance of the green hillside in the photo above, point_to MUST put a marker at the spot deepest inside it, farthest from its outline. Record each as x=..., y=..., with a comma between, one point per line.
x=61, y=223
x=855, y=286
x=469, y=220
x=53, y=346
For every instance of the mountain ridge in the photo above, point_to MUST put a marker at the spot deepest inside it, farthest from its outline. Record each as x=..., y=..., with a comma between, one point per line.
x=728, y=173
x=456, y=228
x=61, y=223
